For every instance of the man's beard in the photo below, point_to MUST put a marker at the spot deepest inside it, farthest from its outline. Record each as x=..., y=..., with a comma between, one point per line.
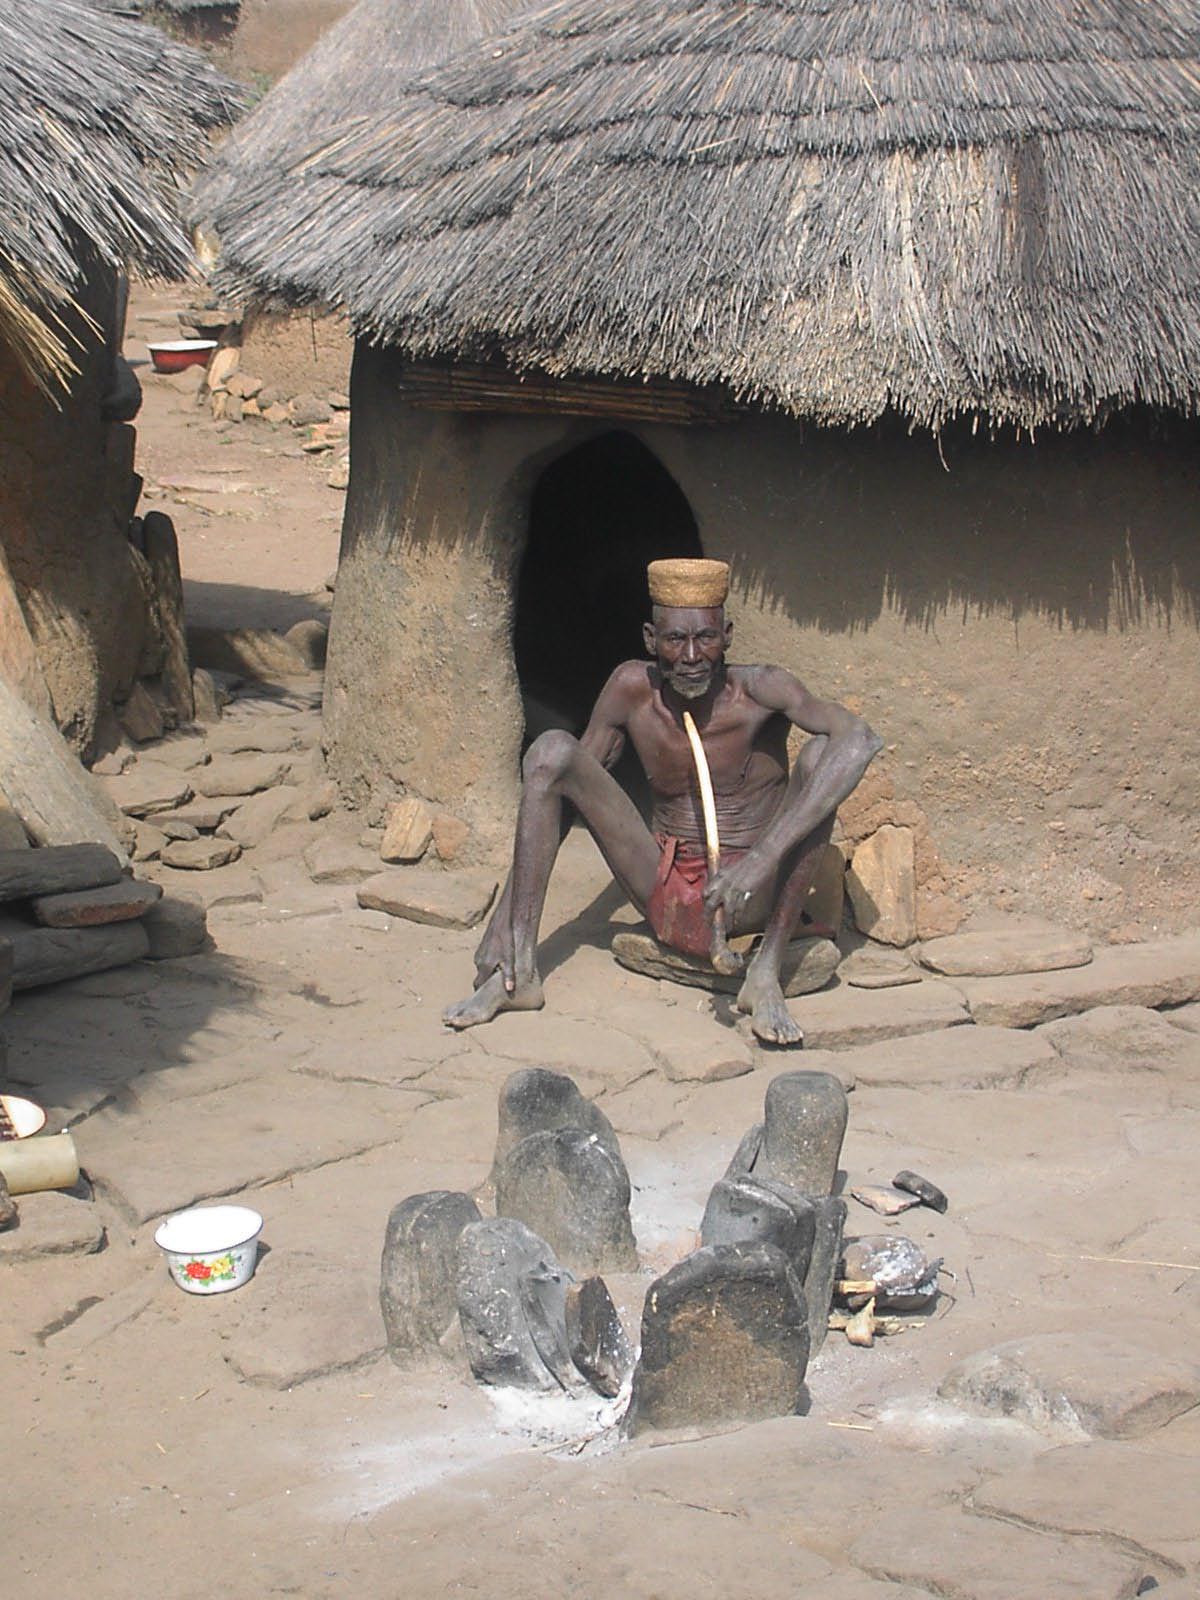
x=692, y=688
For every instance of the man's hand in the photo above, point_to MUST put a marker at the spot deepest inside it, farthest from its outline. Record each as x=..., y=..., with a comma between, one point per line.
x=496, y=954
x=735, y=887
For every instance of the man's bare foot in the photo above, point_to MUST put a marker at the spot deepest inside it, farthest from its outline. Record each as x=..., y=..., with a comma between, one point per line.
x=491, y=998
x=770, y=1020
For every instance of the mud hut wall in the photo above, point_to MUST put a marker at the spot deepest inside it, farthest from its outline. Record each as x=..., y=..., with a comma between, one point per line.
x=65, y=481
x=1021, y=623
x=421, y=692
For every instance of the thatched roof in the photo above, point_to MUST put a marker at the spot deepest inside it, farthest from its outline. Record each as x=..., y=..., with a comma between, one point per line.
x=101, y=120
x=832, y=206
x=349, y=77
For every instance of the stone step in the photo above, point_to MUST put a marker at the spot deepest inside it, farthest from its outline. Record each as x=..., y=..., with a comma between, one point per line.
x=1161, y=972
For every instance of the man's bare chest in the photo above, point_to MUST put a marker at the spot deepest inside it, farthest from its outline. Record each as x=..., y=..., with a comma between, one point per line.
x=733, y=740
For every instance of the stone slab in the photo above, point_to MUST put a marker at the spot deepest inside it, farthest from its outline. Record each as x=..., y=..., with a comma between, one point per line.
x=90, y=908
x=1075, y=1384
x=951, y=1058
x=55, y=869
x=203, y=813
x=332, y=860
x=1085, y=1489
x=1026, y=946
x=50, y=955
x=407, y=830
x=175, y=927
x=841, y=1017
x=199, y=855
x=52, y=1224
x=1187, y=1016
x=219, y=1143
x=1161, y=972
x=881, y=884
x=950, y=1552
x=439, y=899
x=877, y=967
x=258, y=815
x=147, y=788
x=1123, y=1040
x=241, y=774
x=807, y=966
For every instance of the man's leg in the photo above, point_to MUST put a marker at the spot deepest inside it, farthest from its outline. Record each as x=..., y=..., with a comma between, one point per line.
x=556, y=768
x=761, y=993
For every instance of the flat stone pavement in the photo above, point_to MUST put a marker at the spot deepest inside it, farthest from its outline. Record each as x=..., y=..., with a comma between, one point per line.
x=259, y=1443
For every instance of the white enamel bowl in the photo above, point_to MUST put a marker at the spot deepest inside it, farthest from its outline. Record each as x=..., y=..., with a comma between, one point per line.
x=210, y=1249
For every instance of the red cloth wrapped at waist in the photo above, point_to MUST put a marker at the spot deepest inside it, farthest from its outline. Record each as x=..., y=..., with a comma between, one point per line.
x=675, y=909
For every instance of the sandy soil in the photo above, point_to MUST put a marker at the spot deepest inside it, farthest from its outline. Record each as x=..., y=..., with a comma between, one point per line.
x=261, y=1443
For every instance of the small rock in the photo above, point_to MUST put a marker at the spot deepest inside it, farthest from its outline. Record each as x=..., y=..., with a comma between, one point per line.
x=275, y=412
x=147, y=841
x=745, y=1210
x=1072, y=1383
x=90, y=908
x=202, y=814
x=174, y=828
x=407, y=831
x=450, y=836
x=883, y=1198
x=259, y=815
x=241, y=775
x=207, y=696
x=808, y=964
x=317, y=800
x=876, y=968
x=419, y=1270
x=175, y=927
x=597, y=1341
x=338, y=401
x=573, y=1191
x=148, y=788
x=340, y=861
x=339, y=478
x=506, y=1276
x=113, y=763
x=419, y=894
x=251, y=408
x=8, y=1206
x=244, y=386
x=927, y=1193
x=881, y=883
x=804, y=1122
x=905, y=1279
x=234, y=408
x=183, y=751
x=217, y=402
x=309, y=638
x=307, y=409
x=200, y=855
x=52, y=1224
x=537, y=1100
x=724, y=1339
x=316, y=445
x=993, y=953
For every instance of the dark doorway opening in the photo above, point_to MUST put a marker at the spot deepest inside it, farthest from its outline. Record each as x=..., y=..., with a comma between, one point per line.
x=598, y=515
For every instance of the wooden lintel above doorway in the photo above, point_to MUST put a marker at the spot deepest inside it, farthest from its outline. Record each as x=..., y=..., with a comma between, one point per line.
x=435, y=387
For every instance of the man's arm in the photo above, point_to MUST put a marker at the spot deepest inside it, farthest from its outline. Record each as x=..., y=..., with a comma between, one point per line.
x=850, y=748
x=604, y=736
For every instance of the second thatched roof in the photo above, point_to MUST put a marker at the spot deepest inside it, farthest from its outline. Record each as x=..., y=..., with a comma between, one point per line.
x=934, y=206
x=101, y=121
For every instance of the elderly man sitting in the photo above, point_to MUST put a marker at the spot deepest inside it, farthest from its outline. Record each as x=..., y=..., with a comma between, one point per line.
x=773, y=823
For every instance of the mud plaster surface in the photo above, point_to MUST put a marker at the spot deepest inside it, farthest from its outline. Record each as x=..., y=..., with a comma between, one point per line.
x=259, y=1444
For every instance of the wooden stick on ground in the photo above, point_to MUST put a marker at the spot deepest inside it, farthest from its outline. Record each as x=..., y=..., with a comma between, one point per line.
x=724, y=960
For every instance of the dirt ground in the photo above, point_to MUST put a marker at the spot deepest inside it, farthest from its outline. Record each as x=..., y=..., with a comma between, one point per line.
x=261, y=1443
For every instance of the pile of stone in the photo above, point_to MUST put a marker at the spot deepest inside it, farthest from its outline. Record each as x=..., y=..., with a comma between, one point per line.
x=68, y=910
x=196, y=800
x=726, y=1333
x=232, y=395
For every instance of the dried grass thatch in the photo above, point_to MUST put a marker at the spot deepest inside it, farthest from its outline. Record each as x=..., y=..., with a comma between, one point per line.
x=832, y=206
x=101, y=119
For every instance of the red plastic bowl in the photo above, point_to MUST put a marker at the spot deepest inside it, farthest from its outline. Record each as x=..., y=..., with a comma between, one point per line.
x=176, y=354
